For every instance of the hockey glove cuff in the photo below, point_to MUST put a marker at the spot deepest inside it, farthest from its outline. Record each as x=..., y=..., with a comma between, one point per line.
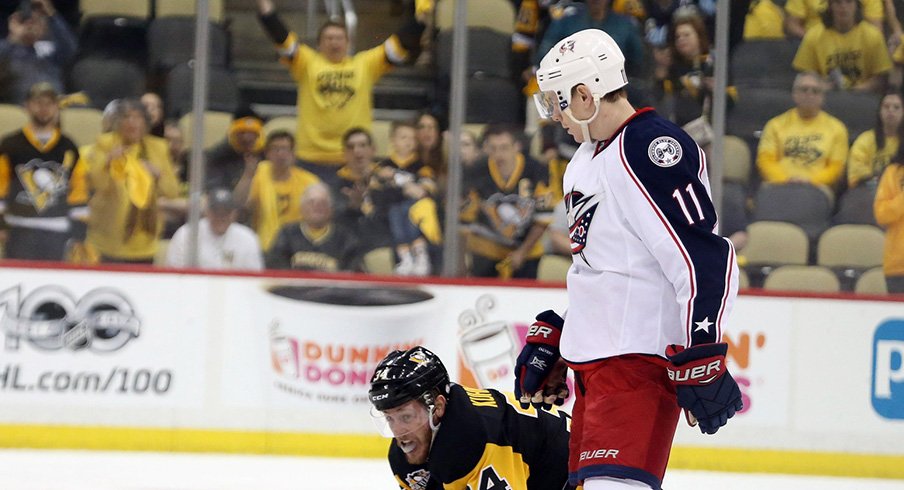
x=704, y=387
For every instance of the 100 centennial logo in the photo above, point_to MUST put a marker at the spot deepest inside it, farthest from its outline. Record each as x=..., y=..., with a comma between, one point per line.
x=51, y=318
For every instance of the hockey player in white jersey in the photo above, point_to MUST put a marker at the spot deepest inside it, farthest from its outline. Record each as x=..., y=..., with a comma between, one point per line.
x=651, y=285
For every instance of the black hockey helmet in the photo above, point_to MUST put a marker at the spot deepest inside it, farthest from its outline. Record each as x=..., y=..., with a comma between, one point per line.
x=407, y=375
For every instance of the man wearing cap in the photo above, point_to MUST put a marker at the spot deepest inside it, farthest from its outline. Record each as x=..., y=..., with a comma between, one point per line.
x=222, y=243
x=43, y=190
x=31, y=55
x=243, y=147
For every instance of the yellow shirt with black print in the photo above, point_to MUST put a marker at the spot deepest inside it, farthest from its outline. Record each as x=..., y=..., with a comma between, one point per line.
x=795, y=148
x=866, y=161
x=856, y=55
x=334, y=97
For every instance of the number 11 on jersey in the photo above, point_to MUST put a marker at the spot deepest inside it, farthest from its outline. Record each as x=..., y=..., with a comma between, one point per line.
x=678, y=197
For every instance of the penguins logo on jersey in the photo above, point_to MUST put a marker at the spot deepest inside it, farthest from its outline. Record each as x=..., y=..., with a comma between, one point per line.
x=580, y=210
x=44, y=183
x=510, y=215
x=664, y=151
x=418, y=479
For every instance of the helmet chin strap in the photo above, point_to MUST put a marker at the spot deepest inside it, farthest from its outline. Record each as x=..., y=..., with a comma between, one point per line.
x=584, y=124
x=433, y=428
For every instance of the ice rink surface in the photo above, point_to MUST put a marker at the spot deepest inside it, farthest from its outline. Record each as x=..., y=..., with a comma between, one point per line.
x=94, y=470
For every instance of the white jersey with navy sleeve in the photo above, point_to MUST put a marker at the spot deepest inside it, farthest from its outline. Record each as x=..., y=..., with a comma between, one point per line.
x=648, y=268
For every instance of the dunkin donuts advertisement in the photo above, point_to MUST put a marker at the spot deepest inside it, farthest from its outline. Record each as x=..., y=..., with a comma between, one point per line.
x=326, y=340
x=315, y=344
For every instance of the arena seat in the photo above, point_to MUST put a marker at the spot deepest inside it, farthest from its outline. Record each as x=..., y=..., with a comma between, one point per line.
x=803, y=278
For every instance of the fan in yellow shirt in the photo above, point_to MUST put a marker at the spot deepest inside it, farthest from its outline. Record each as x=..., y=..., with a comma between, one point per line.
x=129, y=172
x=848, y=50
x=801, y=15
x=273, y=188
x=805, y=144
x=764, y=21
x=889, y=209
x=334, y=89
x=873, y=149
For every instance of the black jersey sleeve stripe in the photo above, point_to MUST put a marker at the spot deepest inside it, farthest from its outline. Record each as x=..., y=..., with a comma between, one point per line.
x=678, y=198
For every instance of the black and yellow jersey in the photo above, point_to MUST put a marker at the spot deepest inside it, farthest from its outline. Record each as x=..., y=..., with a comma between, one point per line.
x=487, y=441
x=499, y=211
x=42, y=184
x=384, y=193
x=331, y=249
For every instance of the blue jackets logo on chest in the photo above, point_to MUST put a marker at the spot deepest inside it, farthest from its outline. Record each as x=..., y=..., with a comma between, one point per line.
x=580, y=213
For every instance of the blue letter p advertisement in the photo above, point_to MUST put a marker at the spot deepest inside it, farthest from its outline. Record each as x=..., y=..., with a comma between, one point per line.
x=888, y=369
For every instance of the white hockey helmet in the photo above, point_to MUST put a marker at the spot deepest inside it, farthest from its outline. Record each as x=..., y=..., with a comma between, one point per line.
x=590, y=57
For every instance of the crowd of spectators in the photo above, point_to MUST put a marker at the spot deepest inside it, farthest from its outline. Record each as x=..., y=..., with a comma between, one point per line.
x=322, y=199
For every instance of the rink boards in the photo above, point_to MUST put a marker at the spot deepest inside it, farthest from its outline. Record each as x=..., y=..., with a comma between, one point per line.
x=106, y=359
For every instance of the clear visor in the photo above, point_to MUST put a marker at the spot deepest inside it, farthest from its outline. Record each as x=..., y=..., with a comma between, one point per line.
x=547, y=103
x=401, y=421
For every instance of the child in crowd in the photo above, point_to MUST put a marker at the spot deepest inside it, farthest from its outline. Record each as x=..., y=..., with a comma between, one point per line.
x=401, y=190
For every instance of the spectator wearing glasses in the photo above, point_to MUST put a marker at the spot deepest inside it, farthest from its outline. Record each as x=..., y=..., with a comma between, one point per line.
x=804, y=144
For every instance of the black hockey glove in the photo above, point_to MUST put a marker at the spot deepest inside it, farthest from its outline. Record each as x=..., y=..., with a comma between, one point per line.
x=539, y=370
x=706, y=391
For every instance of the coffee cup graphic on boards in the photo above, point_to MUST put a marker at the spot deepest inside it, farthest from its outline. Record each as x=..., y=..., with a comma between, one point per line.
x=487, y=347
x=326, y=339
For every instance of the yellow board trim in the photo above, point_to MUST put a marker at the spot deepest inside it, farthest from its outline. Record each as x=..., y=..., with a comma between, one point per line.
x=791, y=462
x=363, y=446
x=191, y=440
